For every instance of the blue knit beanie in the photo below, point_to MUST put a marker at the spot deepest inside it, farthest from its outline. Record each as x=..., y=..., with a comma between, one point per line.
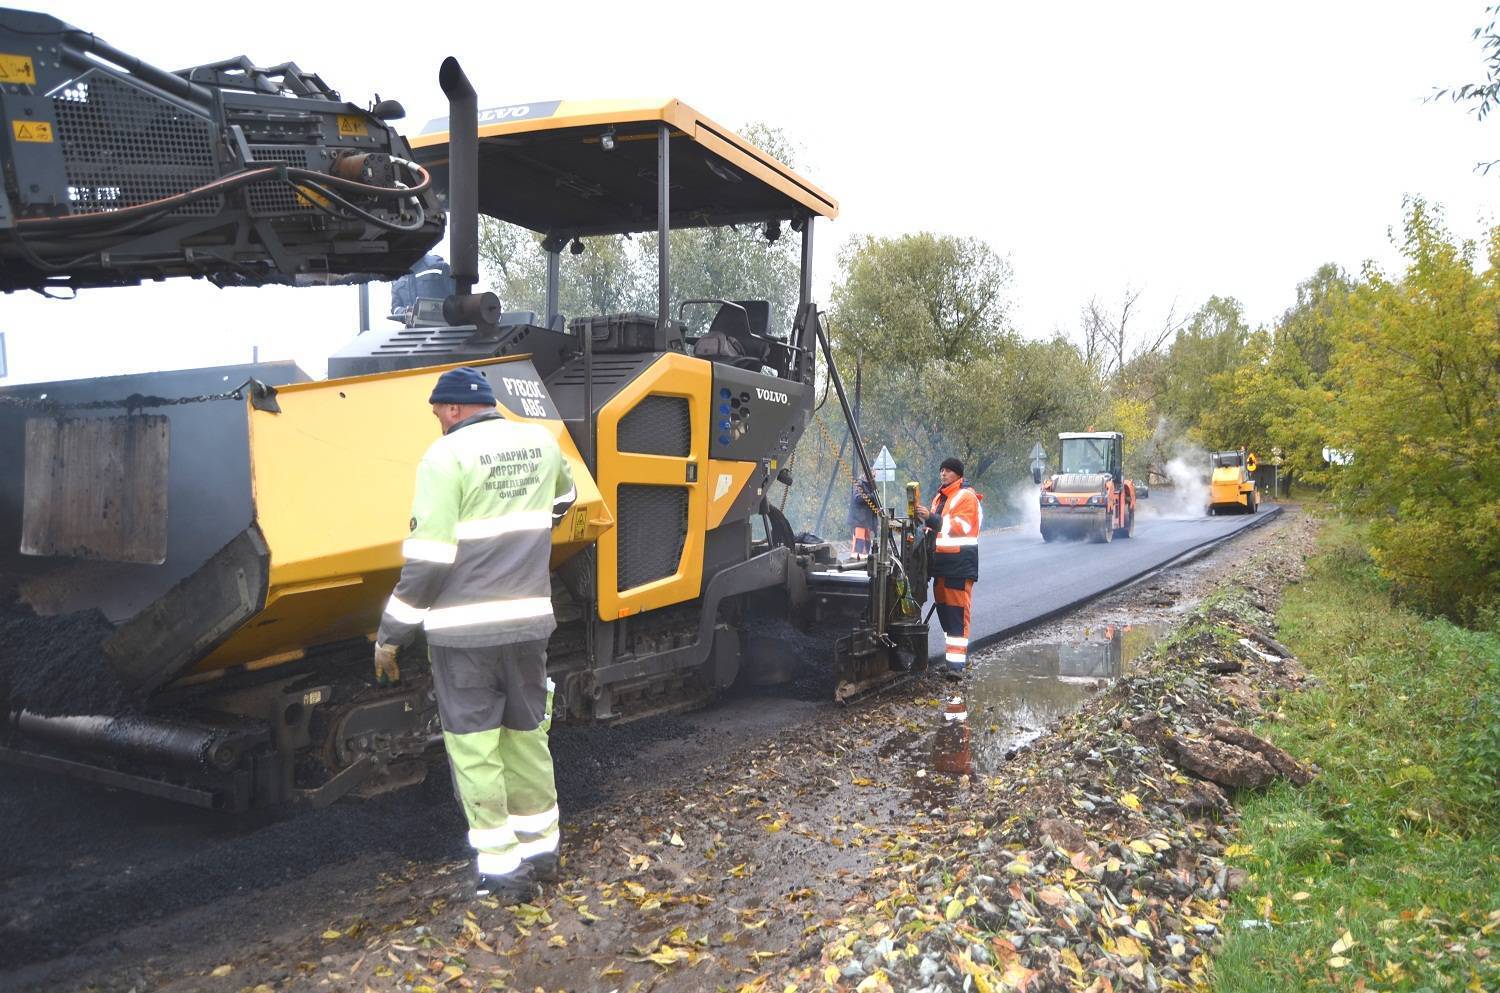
x=463, y=385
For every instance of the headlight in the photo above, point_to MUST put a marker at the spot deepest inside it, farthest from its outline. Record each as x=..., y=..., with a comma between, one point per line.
x=1097, y=500
x=1048, y=500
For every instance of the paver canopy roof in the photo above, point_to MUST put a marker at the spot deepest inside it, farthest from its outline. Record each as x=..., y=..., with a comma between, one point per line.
x=545, y=166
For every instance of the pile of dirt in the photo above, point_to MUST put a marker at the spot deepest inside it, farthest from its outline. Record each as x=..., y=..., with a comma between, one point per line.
x=56, y=665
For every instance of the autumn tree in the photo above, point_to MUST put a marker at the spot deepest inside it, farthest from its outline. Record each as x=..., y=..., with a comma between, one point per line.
x=1115, y=338
x=917, y=298
x=1417, y=363
x=926, y=317
x=1213, y=342
x=608, y=277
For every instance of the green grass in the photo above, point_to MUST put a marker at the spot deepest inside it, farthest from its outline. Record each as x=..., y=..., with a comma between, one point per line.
x=1397, y=842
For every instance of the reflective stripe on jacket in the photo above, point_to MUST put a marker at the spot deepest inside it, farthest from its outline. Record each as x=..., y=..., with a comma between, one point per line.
x=957, y=550
x=476, y=574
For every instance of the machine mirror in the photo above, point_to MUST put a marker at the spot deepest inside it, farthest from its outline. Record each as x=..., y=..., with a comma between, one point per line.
x=389, y=110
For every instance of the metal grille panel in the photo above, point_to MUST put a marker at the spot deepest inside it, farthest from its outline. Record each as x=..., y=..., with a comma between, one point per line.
x=123, y=146
x=658, y=425
x=652, y=529
x=275, y=197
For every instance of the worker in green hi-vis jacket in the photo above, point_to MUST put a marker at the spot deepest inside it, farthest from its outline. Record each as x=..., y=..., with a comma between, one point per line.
x=476, y=580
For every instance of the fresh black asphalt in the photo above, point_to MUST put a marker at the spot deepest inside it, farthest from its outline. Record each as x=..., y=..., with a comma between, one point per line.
x=1024, y=580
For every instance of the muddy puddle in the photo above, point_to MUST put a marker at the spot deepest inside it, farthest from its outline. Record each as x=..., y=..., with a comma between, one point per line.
x=1011, y=697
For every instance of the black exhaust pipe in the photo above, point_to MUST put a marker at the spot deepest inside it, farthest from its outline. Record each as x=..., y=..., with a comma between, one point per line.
x=463, y=175
x=464, y=306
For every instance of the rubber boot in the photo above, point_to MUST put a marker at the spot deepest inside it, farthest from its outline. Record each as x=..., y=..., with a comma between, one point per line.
x=517, y=886
x=544, y=868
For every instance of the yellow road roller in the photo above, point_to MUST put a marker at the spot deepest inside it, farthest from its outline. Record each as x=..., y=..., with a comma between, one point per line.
x=1231, y=489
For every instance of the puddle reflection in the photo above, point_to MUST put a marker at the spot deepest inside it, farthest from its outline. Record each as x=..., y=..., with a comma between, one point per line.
x=1012, y=697
x=951, y=751
x=1020, y=691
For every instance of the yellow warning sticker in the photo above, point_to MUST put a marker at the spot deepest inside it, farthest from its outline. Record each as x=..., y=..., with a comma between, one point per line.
x=308, y=198
x=17, y=69
x=32, y=131
x=352, y=126
x=580, y=521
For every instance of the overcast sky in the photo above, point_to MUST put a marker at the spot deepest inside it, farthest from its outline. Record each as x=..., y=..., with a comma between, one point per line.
x=1184, y=148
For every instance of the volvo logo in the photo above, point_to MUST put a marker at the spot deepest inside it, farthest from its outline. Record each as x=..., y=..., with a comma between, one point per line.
x=770, y=395
x=491, y=115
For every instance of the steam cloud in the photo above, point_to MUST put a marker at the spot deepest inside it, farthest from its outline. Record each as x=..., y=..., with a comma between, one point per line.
x=1187, y=496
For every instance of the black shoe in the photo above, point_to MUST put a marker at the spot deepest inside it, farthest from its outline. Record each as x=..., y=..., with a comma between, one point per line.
x=518, y=886
x=544, y=867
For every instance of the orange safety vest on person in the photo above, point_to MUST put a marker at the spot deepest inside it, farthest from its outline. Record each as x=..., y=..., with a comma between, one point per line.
x=955, y=566
x=956, y=555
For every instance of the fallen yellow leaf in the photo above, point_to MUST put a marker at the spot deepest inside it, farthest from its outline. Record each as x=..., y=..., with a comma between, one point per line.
x=668, y=955
x=1130, y=800
x=331, y=934
x=222, y=970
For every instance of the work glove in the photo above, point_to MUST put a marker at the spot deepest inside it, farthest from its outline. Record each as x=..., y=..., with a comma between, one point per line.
x=386, y=671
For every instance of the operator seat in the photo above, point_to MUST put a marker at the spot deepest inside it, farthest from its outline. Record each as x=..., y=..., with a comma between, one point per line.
x=729, y=340
x=758, y=314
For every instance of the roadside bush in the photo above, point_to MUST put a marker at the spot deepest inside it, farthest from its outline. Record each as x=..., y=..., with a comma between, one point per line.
x=1417, y=359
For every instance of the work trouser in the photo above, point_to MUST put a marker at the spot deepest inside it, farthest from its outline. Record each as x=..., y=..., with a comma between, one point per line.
x=859, y=545
x=953, y=598
x=496, y=707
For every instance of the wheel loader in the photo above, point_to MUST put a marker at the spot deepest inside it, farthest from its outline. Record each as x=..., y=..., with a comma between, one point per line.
x=1089, y=497
x=1231, y=489
x=195, y=561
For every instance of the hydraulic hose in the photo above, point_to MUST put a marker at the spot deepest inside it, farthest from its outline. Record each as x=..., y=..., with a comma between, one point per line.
x=233, y=181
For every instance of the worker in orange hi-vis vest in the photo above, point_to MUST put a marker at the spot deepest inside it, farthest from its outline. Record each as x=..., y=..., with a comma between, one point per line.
x=957, y=515
x=861, y=518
